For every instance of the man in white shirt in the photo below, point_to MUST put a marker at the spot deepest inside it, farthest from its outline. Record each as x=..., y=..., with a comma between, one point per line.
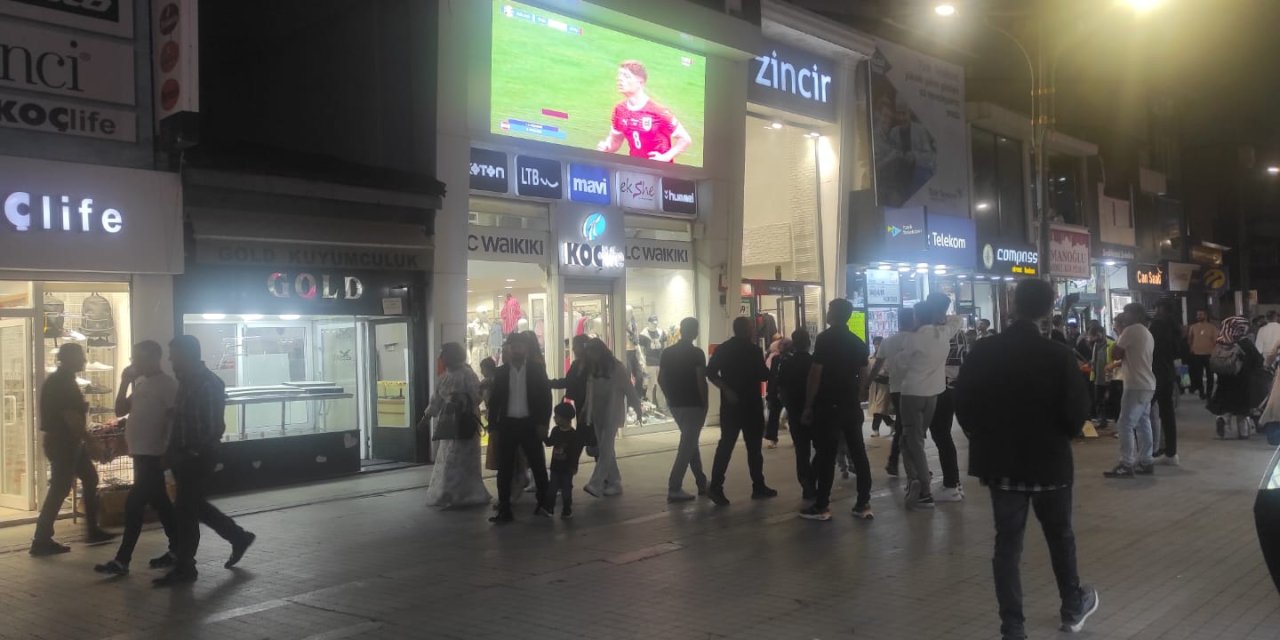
x=519, y=413
x=148, y=414
x=922, y=367
x=1269, y=338
x=889, y=350
x=1134, y=351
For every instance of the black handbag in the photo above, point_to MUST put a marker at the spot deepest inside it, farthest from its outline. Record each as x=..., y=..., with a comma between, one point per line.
x=458, y=420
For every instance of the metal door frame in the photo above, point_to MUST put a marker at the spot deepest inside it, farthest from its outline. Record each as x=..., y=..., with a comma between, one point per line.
x=371, y=382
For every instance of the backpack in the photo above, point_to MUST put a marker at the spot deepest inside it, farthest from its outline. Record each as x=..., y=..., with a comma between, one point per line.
x=54, y=318
x=1227, y=360
x=96, y=320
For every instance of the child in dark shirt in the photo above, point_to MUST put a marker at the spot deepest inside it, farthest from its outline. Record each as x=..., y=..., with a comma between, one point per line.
x=566, y=448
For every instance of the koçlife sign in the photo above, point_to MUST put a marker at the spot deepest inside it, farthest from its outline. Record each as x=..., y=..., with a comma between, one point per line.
x=539, y=177
x=952, y=240
x=589, y=183
x=73, y=217
x=590, y=240
x=1006, y=258
x=489, y=171
x=507, y=245
x=679, y=196
x=794, y=80
x=69, y=118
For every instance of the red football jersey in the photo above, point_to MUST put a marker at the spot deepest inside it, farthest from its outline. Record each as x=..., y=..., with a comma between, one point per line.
x=647, y=130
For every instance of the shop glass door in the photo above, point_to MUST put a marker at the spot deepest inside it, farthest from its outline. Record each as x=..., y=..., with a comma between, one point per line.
x=391, y=369
x=589, y=314
x=16, y=428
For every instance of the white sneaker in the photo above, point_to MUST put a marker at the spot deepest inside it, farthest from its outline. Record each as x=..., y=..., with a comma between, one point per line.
x=81, y=381
x=949, y=495
x=98, y=366
x=1171, y=461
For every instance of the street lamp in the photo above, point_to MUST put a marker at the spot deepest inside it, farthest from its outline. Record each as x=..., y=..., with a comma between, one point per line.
x=945, y=9
x=1142, y=6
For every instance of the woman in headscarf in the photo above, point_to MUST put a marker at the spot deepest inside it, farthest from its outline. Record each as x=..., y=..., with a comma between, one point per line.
x=1239, y=367
x=456, y=478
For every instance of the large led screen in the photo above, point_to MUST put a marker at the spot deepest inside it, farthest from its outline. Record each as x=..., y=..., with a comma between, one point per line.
x=564, y=81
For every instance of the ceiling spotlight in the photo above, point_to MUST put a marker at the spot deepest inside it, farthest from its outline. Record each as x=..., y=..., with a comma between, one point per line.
x=982, y=206
x=1110, y=263
x=775, y=125
x=1008, y=278
x=290, y=316
x=251, y=316
x=945, y=10
x=922, y=270
x=885, y=266
x=1273, y=170
x=903, y=269
x=214, y=316
x=814, y=134
x=511, y=279
x=961, y=276
x=922, y=264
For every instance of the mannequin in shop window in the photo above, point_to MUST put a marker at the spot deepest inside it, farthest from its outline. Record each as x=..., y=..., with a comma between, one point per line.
x=652, y=341
x=478, y=337
x=511, y=315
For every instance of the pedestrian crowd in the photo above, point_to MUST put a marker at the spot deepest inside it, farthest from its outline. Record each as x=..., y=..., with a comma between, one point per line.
x=1020, y=396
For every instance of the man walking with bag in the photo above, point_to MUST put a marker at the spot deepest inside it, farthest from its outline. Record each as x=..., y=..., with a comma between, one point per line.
x=147, y=396
x=1021, y=399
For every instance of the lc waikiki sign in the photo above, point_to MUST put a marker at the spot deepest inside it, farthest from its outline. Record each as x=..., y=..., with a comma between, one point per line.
x=591, y=241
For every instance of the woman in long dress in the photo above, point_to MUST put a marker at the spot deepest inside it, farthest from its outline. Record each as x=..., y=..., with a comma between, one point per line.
x=609, y=390
x=456, y=478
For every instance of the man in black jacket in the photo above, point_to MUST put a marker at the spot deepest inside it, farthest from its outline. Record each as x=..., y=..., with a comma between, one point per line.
x=519, y=414
x=793, y=378
x=1021, y=400
x=737, y=369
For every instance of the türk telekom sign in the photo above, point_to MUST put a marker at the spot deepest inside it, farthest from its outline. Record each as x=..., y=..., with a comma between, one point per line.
x=62, y=216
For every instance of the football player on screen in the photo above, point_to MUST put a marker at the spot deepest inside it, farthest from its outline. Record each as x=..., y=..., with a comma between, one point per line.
x=650, y=129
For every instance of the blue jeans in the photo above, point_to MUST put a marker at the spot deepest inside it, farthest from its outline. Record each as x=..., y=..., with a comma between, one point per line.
x=1135, y=423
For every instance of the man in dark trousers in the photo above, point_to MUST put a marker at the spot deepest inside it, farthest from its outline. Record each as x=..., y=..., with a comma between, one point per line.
x=147, y=396
x=1167, y=333
x=793, y=380
x=520, y=414
x=833, y=407
x=198, y=425
x=683, y=378
x=63, y=419
x=737, y=369
x=1021, y=400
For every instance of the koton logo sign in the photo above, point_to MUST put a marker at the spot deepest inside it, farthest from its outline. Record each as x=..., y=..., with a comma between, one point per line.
x=589, y=183
x=637, y=190
x=489, y=170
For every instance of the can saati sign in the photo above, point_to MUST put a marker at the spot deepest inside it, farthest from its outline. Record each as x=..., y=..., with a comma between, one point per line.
x=1147, y=276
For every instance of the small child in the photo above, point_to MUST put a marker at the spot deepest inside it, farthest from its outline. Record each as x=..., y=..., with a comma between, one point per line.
x=566, y=448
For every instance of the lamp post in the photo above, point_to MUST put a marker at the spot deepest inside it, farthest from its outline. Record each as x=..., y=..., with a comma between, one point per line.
x=1042, y=119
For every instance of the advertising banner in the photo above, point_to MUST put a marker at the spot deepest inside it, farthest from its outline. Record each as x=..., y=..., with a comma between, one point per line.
x=794, y=80
x=1182, y=276
x=883, y=287
x=61, y=63
x=919, y=133
x=67, y=117
x=174, y=35
x=1005, y=258
x=590, y=241
x=905, y=236
x=662, y=254
x=1069, y=252
x=561, y=80
x=112, y=17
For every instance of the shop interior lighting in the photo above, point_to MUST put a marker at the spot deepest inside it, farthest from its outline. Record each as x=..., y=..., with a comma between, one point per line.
x=945, y=10
x=1274, y=170
x=885, y=266
x=903, y=269
x=251, y=316
x=214, y=316
x=508, y=287
x=1110, y=263
x=922, y=269
x=961, y=276
x=775, y=125
x=980, y=277
x=813, y=134
x=290, y=316
x=939, y=272
x=511, y=279
x=903, y=264
x=1008, y=278
x=982, y=206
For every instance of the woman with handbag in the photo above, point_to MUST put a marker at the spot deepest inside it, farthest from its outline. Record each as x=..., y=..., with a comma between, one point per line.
x=609, y=390
x=455, y=405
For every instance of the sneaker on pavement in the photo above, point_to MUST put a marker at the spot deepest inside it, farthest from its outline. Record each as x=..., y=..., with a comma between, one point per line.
x=176, y=577
x=1088, y=605
x=502, y=517
x=612, y=491
x=717, y=496
x=680, y=495
x=863, y=512
x=1221, y=426
x=591, y=491
x=1145, y=469
x=913, y=493
x=98, y=536
x=821, y=514
x=566, y=513
x=114, y=567
x=926, y=502
x=163, y=562
x=1170, y=461
x=47, y=547
x=763, y=493
x=542, y=512
x=892, y=471
x=1120, y=471
x=949, y=494
x=238, y=548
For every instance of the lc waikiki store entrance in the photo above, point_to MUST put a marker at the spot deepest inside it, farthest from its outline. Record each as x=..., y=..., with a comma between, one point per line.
x=88, y=258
